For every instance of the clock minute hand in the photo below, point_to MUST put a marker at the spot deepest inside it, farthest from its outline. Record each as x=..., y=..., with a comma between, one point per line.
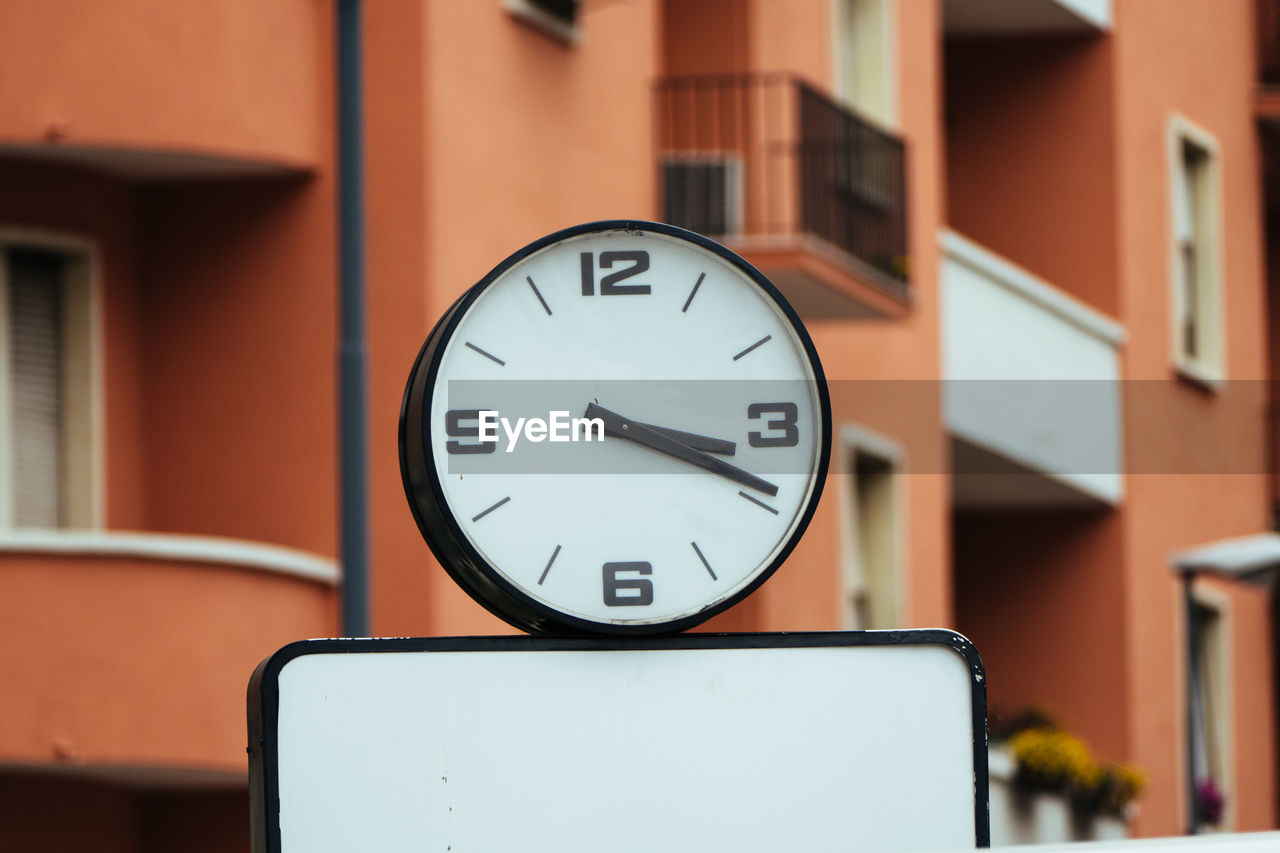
x=649, y=437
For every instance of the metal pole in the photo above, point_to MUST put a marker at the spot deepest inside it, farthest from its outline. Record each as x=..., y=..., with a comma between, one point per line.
x=352, y=495
x=1193, y=734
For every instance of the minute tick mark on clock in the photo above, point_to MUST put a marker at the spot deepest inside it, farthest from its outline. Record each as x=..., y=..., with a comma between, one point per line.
x=545, y=306
x=554, y=554
x=693, y=292
x=489, y=356
x=760, y=342
x=758, y=503
x=698, y=551
x=498, y=504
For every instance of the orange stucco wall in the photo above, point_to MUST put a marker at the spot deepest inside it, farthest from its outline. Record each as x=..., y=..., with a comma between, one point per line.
x=490, y=192
x=1169, y=512
x=194, y=822
x=795, y=38
x=231, y=78
x=53, y=812
x=686, y=49
x=218, y=349
x=50, y=814
x=187, y=374
x=890, y=369
x=398, y=293
x=128, y=661
x=1030, y=163
x=1057, y=158
x=239, y=322
x=517, y=167
x=1272, y=240
x=100, y=215
x=1041, y=596
x=881, y=374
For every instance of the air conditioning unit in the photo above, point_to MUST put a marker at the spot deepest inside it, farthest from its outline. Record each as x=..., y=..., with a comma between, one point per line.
x=702, y=191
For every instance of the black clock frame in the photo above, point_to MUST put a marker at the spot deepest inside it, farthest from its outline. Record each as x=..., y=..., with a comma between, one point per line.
x=445, y=536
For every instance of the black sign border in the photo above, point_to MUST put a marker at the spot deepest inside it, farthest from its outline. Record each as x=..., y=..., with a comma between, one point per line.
x=264, y=693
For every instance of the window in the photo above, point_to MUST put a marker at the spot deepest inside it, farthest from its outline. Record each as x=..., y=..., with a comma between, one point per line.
x=864, y=72
x=1197, y=289
x=556, y=18
x=1210, y=696
x=47, y=443
x=871, y=532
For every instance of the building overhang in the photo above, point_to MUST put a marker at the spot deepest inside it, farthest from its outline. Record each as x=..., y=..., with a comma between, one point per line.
x=1252, y=559
x=823, y=283
x=1001, y=18
x=149, y=165
x=1032, y=397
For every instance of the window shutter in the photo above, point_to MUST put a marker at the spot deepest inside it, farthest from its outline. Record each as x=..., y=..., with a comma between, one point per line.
x=701, y=193
x=35, y=383
x=1183, y=199
x=856, y=592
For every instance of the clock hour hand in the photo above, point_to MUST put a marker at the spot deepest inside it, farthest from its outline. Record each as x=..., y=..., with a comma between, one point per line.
x=648, y=436
x=692, y=440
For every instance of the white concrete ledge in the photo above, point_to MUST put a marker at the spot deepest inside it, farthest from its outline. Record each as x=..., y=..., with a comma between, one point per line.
x=1097, y=13
x=170, y=547
x=1033, y=386
x=1025, y=285
x=1000, y=764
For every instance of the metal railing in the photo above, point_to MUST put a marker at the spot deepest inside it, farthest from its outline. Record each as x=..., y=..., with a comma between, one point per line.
x=769, y=155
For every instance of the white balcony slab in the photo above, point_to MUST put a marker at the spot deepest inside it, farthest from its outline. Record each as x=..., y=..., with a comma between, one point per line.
x=970, y=18
x=174, y=548
x=1032, y=396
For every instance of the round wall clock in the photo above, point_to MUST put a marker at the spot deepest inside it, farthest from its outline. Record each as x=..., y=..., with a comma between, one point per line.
x=622, y=429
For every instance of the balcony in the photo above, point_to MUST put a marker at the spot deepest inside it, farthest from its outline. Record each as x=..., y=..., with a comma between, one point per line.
x=1032, y=397
x=1002, y=18
x=125, y=657
x=807, y=191
x=173, y=91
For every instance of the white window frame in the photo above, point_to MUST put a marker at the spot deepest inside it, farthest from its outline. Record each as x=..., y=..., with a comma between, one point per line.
x=855, y=440
x=887, y=113
x=82, y=438
x=528, y=13
x=1223, y=696
x=1209, y=367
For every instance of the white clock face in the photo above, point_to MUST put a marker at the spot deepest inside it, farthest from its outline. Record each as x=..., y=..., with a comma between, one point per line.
x=624, y=430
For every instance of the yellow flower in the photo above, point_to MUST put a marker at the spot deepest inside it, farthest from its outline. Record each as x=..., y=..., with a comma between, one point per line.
x=1053, y=759
x=1123, y=785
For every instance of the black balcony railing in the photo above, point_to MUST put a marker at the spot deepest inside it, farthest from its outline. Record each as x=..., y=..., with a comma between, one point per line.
x=766, y=155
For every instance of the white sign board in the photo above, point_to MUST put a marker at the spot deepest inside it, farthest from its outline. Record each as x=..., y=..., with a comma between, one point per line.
x=746, y=742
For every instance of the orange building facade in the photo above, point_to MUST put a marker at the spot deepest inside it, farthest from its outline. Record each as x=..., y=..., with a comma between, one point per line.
x=1030, y=239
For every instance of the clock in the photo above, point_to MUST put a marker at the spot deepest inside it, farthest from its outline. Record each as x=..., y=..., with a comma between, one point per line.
x=622, y=429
